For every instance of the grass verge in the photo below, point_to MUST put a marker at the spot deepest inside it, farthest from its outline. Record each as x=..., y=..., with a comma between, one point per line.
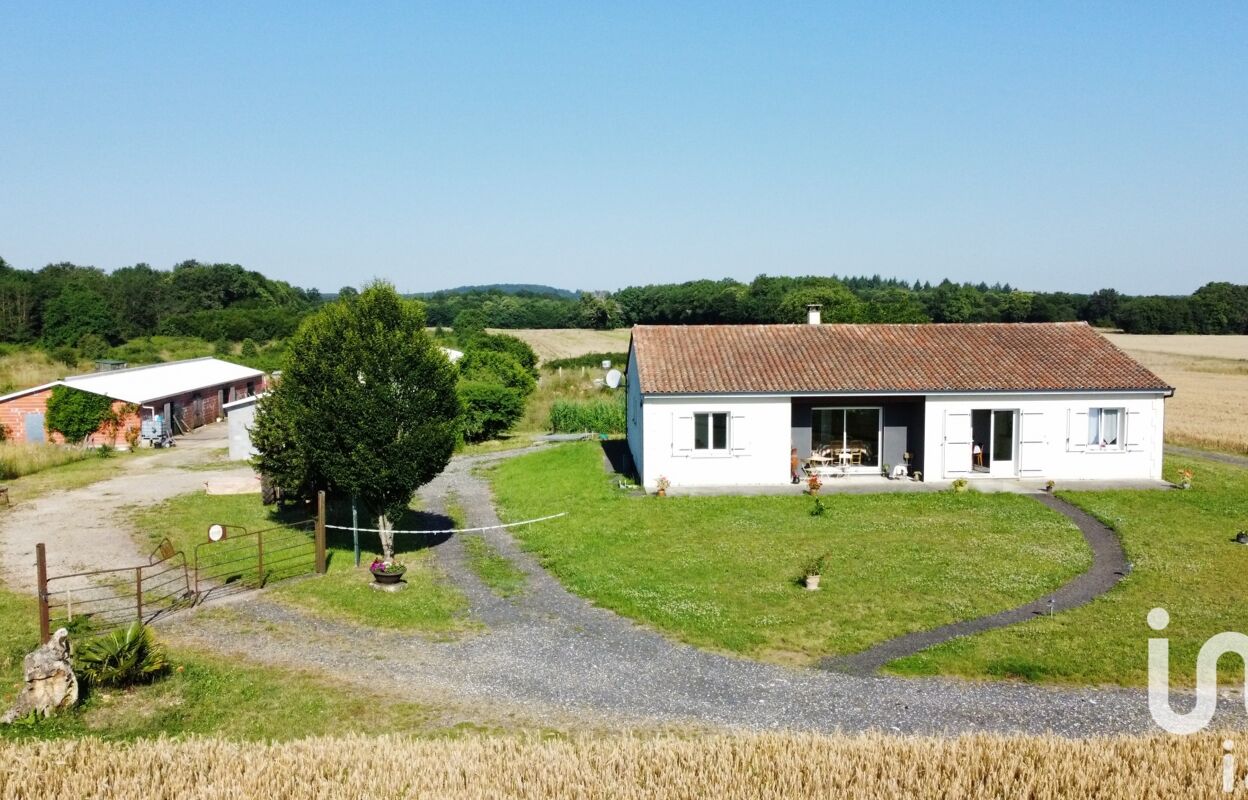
x=723, y=572
x=429, y=604
x=498, y=573
x=1179, y=543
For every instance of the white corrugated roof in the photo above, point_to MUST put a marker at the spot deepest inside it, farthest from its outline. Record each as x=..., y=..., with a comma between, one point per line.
x=158, y=381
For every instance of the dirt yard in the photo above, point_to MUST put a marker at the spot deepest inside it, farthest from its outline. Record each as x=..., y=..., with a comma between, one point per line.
x=1210, y=376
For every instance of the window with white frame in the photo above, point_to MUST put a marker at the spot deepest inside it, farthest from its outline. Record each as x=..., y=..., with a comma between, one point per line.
x=710, y=431
x=1105, y=428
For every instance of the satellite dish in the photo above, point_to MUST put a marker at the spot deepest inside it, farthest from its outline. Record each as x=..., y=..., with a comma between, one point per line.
x=613, y=378
x=216, y=533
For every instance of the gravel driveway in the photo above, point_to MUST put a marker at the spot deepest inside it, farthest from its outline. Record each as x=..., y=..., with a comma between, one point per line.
x=85, y=529
x=548, y=657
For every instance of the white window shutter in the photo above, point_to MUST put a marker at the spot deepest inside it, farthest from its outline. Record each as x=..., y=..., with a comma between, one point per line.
x=682, y=434
x=1135, y=430
x=1076, y=429
x=739, y=433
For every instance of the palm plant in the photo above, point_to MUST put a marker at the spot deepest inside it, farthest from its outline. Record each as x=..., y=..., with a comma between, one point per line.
x=122, y=658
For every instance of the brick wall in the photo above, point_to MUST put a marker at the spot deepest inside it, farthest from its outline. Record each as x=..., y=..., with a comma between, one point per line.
x=13, y=413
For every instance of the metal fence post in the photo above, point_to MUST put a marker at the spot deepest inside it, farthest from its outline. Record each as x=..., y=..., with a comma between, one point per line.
x=320, y=532
x=260, y=557
x=138, y=592
x=41, y=578
x=355, y=530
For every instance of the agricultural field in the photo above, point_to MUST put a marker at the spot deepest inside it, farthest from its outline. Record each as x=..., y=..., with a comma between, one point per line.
x=1210, y=374
x=742, y=765
x=550, y=343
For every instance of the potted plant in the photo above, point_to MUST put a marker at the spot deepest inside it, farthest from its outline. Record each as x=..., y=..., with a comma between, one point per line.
x=813, y=485
x=662, y=483
x=887, y=471
x=813, y=572
x=387, y=571
x=1048, y=487
x=961, y=485
x=1185, y=479
x=917, y=475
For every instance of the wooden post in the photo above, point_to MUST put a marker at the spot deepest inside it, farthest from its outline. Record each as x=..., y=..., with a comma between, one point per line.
x=138, y=592
x=260, y=557
x=41, y=578
x=320, y=532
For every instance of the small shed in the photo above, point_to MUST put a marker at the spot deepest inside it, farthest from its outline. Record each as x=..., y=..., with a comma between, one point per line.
x=240, y=415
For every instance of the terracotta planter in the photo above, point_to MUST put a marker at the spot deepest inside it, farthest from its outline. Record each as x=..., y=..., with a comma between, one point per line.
x=812, y=583
x=660, y=493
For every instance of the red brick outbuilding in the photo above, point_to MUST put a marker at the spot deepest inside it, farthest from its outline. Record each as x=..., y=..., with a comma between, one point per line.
x=183, y=394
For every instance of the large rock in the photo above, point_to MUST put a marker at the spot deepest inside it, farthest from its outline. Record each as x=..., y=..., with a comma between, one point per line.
x=51, y=685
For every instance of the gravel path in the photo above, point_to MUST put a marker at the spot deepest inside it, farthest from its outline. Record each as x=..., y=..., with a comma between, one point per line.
x=84, y=529
x=548, y=656
x=1109, y=565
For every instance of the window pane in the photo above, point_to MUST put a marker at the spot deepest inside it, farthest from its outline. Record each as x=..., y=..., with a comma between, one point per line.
x=862, y=435
x=720, y=425
x=827, y=429
x=1109, y=427
x=1094, y=426
x=1003, y=436
x=701, y=439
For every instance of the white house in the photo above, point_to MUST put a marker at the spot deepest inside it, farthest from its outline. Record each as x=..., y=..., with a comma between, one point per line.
x=723, y=405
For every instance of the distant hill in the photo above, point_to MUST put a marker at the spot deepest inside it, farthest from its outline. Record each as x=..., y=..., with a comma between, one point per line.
x=507, y=288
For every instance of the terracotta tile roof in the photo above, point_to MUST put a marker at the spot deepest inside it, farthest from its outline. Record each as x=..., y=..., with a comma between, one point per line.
x=1023, y=357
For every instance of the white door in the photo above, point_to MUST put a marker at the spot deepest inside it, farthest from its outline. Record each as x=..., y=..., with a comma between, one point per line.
x=957, y=444
x=1031, y=444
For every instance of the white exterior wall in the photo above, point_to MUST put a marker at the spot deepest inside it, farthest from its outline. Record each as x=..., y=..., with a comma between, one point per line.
x=239, y=421
x=1051, y=436
x=759, y=433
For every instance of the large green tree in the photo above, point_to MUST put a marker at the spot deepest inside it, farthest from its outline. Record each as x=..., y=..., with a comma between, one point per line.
x=366, y=406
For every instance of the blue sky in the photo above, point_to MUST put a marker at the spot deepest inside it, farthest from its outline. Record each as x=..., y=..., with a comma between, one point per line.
x=1054, y=146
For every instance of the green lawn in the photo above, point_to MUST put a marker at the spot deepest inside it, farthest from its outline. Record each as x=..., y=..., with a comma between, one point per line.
x=1183, y=561
x=429, y=604
x=723, y=572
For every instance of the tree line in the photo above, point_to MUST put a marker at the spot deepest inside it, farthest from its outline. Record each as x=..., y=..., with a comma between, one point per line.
x=1215, y=308
x=59, y=305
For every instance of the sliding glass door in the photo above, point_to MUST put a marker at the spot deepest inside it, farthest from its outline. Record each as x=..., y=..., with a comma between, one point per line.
x=849, y=435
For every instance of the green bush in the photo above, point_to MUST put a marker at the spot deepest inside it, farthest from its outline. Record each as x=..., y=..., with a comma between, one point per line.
x=489, y=409
x=76, y=414
x=598, y=415
x=92, y=346
x=618, y=361
x=249, y=349
x=122, y=658
x=503, y=343
x=489, y=366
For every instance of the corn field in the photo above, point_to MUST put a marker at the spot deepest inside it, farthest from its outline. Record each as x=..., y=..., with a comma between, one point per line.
x=719, y=766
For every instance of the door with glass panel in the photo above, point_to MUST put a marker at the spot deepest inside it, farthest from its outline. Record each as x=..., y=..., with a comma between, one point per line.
x=1004, y=451
x=848, y=436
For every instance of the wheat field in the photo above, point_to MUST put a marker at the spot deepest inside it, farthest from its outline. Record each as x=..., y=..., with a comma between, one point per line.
x=1210, y=376
x=719, y=766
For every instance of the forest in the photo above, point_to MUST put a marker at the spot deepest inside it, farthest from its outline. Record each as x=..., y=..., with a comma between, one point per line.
x=67, y=305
